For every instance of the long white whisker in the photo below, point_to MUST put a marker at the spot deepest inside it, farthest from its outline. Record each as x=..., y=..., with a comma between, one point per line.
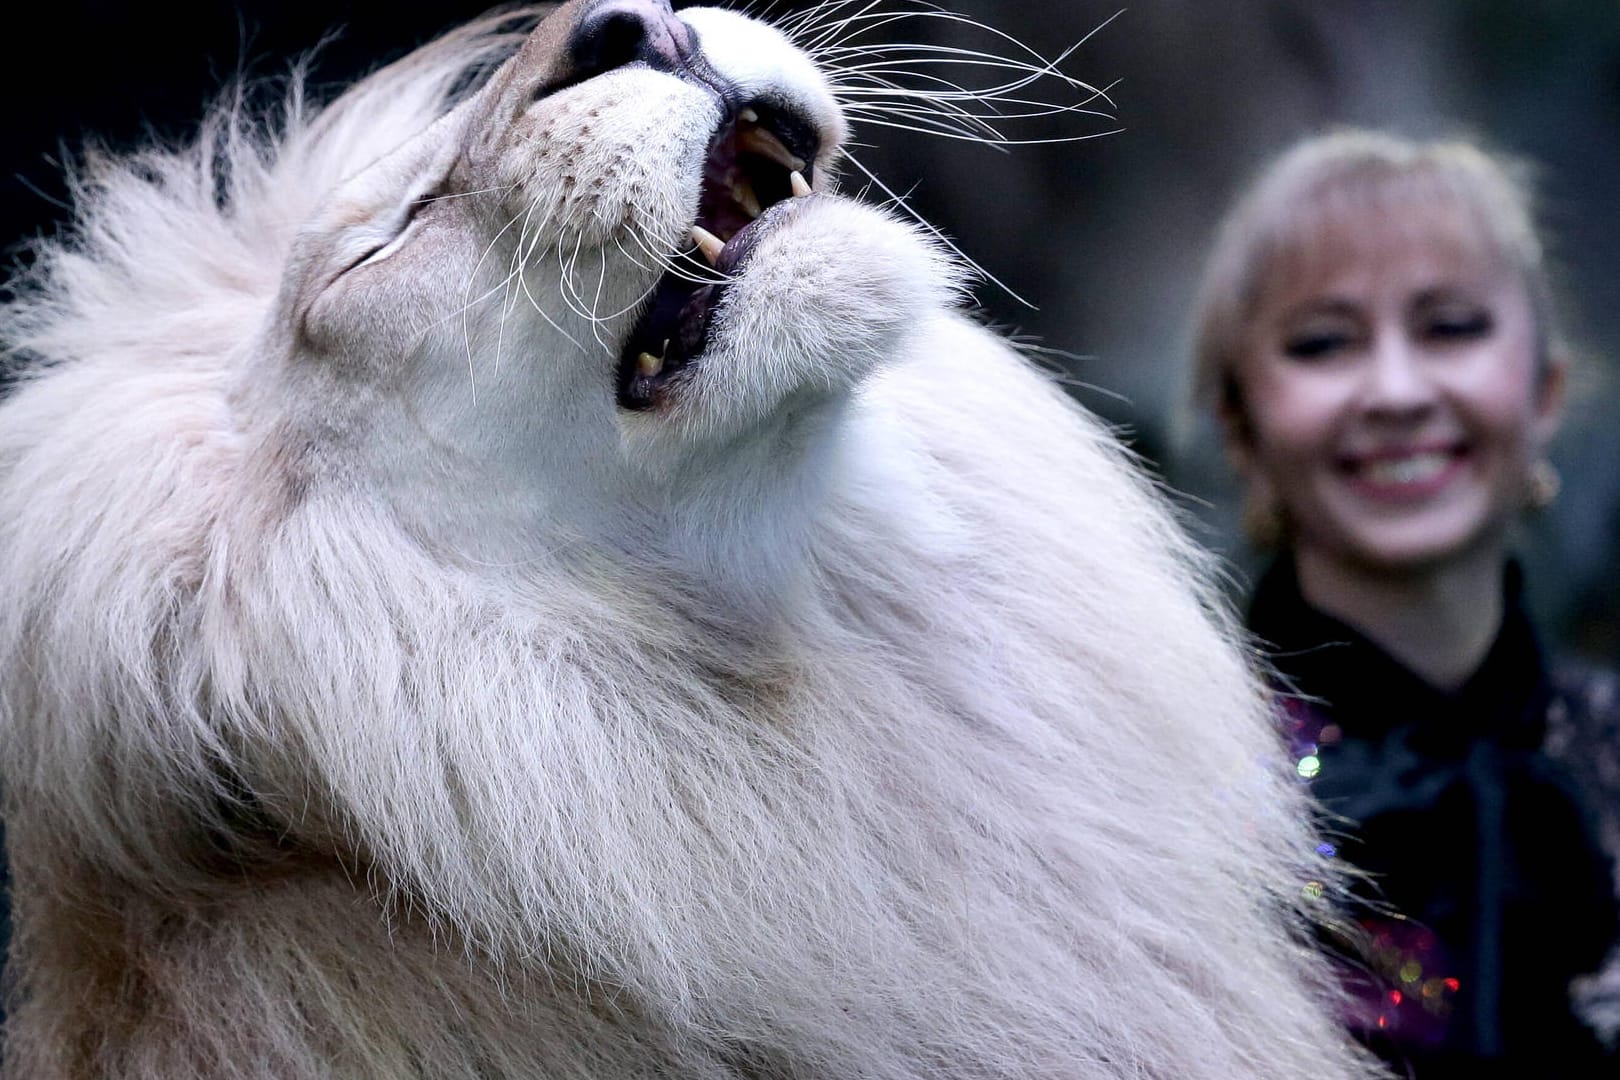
x=529, y=235
x=1037, y=110
x=813, y=19
x=472, y=276
x=799, y=20
x=937, y=234
x=634, y=259
x=1053, y=140
x=874, y=20
x=923, y=99
x=662, y=260
x=527, y=250
x=927, y=87
x=464, y=194
x=911, y=67
x=528, y=240
x=523, y=283
x=562, y=276
x=1043, y=69
x=830, y=31
x=539, y=309
x=942, y=103
x=678, y=263
x=596, y=301
x=928, y=123
x=565, y=267
x=573, y=282
x=469, y=305
x=632, y=305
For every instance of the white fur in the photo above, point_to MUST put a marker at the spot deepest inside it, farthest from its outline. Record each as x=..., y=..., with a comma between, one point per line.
x=377, y=699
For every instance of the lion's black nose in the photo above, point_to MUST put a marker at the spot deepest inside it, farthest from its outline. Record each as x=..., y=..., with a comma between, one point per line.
x=613, y=33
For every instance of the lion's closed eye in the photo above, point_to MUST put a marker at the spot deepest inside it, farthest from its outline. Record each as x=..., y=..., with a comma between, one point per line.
x=357, y=284
x=387, y=232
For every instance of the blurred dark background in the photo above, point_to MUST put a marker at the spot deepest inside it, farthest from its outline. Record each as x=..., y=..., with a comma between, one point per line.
x=1105, y=236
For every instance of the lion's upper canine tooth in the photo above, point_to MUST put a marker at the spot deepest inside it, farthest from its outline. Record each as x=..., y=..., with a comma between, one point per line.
x=801, y=186
x=648, y=365
x=758, y=140
x=749, y=115
x=708, y=243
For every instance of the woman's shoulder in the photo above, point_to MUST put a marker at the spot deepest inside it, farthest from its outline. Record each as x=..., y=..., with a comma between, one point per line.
x=1583, y=732
x=1583, y=715
x=1583, y=735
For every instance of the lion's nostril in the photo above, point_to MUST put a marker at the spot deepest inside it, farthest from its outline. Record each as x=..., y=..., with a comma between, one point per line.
x=614, y=33
x=613, y=42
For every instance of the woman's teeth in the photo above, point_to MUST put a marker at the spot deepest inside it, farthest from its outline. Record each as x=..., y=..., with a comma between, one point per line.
x=1415, y=469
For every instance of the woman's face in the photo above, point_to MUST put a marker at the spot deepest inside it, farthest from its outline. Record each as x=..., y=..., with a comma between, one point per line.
x=1392, y=397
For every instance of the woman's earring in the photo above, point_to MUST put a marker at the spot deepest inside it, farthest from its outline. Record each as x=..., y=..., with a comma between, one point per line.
x=1545, y=484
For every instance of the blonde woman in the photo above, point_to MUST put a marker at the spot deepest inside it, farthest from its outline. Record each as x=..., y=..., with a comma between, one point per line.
x=1377, y=339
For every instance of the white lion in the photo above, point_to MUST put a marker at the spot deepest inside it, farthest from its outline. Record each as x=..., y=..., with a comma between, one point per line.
x=445, y=634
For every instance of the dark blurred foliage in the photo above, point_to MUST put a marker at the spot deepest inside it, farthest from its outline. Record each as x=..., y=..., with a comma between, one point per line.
x=1104, y=236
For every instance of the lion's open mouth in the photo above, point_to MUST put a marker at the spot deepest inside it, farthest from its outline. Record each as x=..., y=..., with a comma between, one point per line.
x=759, y=157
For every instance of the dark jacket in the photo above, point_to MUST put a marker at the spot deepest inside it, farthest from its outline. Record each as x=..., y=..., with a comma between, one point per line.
x=1488, y=821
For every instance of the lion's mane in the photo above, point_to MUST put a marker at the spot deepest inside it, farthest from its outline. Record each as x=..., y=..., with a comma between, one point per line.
x=984, y=787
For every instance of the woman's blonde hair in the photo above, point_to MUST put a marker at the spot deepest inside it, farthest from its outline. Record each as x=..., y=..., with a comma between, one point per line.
x=1333, y=178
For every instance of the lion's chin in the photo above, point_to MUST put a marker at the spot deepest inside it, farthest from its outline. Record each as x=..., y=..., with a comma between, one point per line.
x=756, y=168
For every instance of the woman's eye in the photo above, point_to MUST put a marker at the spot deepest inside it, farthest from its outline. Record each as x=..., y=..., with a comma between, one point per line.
x=1460, y=327
x=1315, y=345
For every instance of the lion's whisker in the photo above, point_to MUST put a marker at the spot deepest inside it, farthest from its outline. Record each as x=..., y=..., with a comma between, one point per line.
x=472, y=276
x=1037, y=109
x=465, y=308
x=633, y=258
x=519, y=265
x=596, y=302
x=499, y=189
x=523, y=283
x=815, y=33
x=1054, y=140
x=937, y=234
x=678, y=262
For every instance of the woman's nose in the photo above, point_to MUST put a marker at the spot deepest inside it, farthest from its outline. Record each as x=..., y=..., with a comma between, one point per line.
x=1397, y=377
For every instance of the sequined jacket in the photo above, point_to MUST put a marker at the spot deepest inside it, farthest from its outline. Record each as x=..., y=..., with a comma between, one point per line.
x=1487, y=821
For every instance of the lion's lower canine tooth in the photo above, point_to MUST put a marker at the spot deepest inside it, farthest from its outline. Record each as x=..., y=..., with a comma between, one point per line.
x=801, y=186
x=649, y=365
x=708, y=243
